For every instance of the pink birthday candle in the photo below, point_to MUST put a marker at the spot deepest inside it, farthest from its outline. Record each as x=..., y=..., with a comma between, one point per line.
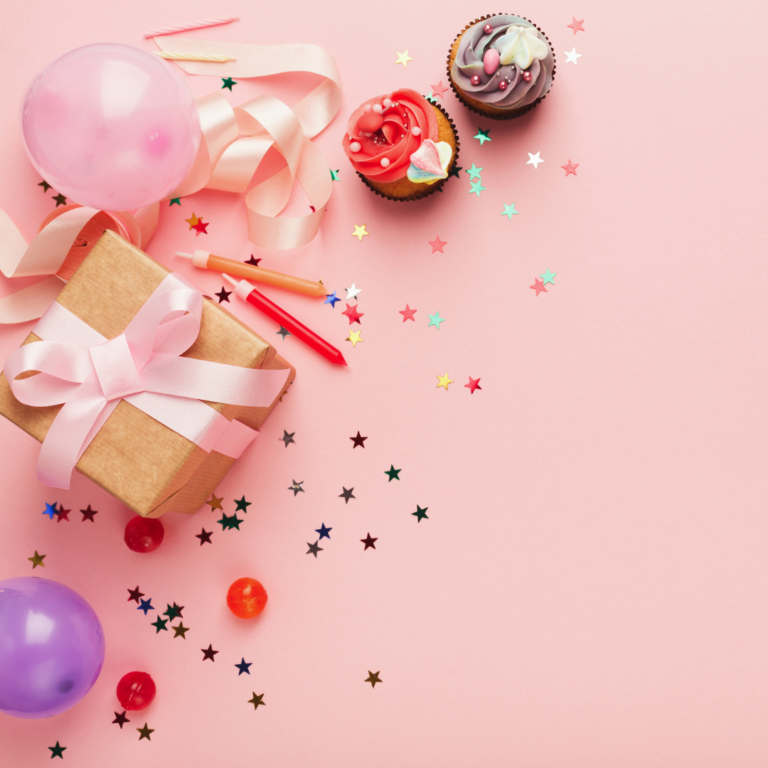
x=193, y=25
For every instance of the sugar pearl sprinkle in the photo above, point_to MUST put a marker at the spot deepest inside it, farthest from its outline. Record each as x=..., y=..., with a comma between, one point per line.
x=355, y=146
x=487, y=29
x=475, y=80
x=377, y=108
x=384, y=162
x=416, y=131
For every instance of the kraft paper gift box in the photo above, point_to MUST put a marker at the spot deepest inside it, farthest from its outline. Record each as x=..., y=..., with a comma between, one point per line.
x=144, y=464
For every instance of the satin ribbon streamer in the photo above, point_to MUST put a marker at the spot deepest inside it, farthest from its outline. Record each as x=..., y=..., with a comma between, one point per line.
x=90, y=375
x=234, y=142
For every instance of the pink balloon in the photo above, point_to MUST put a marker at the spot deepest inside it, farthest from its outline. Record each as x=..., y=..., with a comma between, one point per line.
x=111, y=126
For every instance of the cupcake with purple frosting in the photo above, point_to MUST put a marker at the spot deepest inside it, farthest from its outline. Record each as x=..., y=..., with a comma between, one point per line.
x=501, y=66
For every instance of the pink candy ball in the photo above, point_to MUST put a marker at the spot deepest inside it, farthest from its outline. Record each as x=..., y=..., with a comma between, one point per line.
x=111, y=126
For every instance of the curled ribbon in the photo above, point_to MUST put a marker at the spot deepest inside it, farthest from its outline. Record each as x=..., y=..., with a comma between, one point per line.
x=90, y=375
x=234, y=142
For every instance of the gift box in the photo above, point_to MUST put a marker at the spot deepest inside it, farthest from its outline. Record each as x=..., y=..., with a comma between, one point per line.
x=147, y=465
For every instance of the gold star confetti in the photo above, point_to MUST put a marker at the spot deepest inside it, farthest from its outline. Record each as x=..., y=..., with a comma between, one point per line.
x=193, y=221
x=444, y=381
x=403, y=58
x=37, y=560
x=215, y=502
x=360, y=232
x=354, y=337
x=373, y=678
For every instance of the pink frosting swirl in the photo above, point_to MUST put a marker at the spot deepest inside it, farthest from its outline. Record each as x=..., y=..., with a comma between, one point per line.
x=379, y=142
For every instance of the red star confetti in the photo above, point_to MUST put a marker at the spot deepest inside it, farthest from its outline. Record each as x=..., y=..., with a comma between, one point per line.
x=438, y=90
x=570, y=168
x=200, y=227
x=473, y=385
x=539, y=286
x=437, y=244
x=62, y=514
x=408, y=313
x=353, y=315
x=576, y=25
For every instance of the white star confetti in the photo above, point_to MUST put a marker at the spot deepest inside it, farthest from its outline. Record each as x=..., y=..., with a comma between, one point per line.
x=352, y=292
x=534, y=160
x=572, y=56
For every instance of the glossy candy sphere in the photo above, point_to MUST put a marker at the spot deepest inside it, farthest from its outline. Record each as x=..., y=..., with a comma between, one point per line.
x=527, y=76
x=487, y=29
x=136, y=690
x=111, y=126
x=246, y=598
x=503, y=85
x=144, y=534
x=475, y=79
x=52, y=647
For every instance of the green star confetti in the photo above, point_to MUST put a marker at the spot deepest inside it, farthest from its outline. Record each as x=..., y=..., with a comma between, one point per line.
x=509, y=211
x=335, y=175
x=229, y=522
x=394, y=474
x=228, y=83
x=242, y=505
x=549, y=277
x=477, y=188
x=435, y=320
x=160, y=624
x=174, y=201
x=474, y=172
x=421, y=514
x=482, y=136
x=58, y=751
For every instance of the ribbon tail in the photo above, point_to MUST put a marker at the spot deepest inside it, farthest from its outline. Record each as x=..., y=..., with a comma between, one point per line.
x=30, y=303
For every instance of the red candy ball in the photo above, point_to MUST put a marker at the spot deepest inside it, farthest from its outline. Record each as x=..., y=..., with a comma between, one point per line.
x=527, y=76
x=246, y=598
x=475, y=79
x=370, y=122
x=487, y=29
x=144, y=534
x=503, y=85
x=136, y=690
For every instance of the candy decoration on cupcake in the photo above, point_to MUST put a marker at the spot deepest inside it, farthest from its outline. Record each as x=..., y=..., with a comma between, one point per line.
x=501, y=66
x=401, y=145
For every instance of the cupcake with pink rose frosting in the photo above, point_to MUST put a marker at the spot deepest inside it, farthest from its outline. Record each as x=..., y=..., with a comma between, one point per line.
x=501, y=66
x=401, y=145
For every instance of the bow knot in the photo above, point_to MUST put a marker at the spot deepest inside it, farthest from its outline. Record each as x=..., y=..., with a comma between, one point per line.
x=115, y=368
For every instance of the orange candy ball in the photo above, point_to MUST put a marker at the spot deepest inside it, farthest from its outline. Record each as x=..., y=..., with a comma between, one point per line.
x=246, y=598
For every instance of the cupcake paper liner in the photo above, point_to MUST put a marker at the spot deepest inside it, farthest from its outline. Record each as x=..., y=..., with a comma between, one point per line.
x=493, y=112
x=429, y=188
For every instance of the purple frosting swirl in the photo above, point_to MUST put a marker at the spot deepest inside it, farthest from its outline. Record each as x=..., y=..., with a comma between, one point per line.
x=469, y=62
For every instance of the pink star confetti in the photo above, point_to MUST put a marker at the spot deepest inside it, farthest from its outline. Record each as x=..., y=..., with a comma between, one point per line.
x=438, y=90
x=408, y=313
x=353, y=315
x=576, y=25
x=570, y=168
x=539, y=286
x=437, y=244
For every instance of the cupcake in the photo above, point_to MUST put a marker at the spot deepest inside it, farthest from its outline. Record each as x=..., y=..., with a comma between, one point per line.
x=501, y=66
x=401, y=145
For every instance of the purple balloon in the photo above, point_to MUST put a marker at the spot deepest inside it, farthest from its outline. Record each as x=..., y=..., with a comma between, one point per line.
x=51, y=647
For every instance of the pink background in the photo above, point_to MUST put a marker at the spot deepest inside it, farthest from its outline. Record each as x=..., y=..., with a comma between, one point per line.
x=589, y=588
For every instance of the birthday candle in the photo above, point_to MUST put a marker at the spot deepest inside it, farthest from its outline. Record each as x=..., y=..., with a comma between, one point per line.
x=173, y=56
x=193, y=25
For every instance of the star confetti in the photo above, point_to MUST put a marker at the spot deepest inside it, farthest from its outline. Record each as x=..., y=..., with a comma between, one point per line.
x=369, y=542
x=201, y=229
x=576, y=25
x=360, y=232
x=229, y=522
x=354, y=337
x=45, y=185
x=181, y=631
x=62, y=514
x=223, y=295
x=403, y=58
x=242, y=505
x=296, y=488
x=549, y=277
x=394, y=474
x=287, y=438
x=89, y=513
x=257, y=700
x=353, y=291
x=509, y=211
x=570, y=168
x=50, y=510
x=145, y=605
x=60, y=200
x=444, y=381
x=252, y=261
x=314, y=548
x=358, y=441
x=228, y=82
x=538, y=286
x=352, y=313
x=438, y=90
x=572, y=57
x=473, y=385
x=121, y=719
x=244, y=666
x=135, y=594
x=455, y=171
x=209, y=653
x=325, y=533
x=204, y=536
x=346, y=494
x=145, y=731
x=474, y=172
x=534, y=160
x=192, y=221
x=332, y=299
x=435, y=320
x=174, y=201
x=421, y=514
x=283, y=332
x=437, y=244
x=159, y=624
x=373, y=678
x=173, y=611
x=335, y=175
x=482, y=136
x=36, y=560
x=215, y=502
x=58, y=751
x=408, y=313
x=477, y=187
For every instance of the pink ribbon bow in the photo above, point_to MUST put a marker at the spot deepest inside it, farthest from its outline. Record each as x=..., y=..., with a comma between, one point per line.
x=90, y=375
